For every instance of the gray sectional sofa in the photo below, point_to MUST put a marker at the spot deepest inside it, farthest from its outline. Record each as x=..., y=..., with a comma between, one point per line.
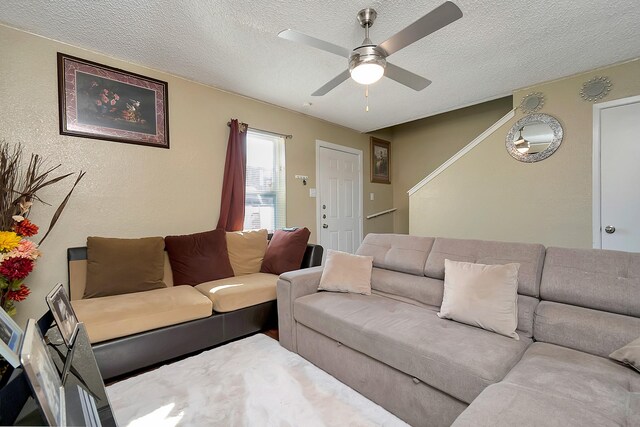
x=575, y=307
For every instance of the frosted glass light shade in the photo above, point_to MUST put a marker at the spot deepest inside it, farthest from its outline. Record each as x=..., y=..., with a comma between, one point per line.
x=367, y=73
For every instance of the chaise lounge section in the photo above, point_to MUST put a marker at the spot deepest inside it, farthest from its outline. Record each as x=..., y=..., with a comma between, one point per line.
x=574, y=308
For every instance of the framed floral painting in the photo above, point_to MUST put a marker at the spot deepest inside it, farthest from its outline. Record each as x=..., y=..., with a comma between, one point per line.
x=101, y=102
x=380, y=161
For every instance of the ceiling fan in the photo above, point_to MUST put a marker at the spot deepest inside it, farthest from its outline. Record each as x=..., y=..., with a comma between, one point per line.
x=368, y=62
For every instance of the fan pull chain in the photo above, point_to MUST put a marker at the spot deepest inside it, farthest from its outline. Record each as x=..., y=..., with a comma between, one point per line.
x=366, y=96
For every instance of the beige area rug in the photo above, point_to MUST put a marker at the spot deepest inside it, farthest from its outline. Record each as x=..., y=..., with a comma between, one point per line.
x=251, y=382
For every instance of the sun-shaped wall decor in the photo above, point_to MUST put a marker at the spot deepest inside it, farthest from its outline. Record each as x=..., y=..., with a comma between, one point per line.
x=532, y=102
x=595, y=89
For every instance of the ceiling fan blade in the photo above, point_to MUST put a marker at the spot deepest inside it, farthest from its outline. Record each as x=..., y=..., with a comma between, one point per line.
x=299, y=37
x=439, y=17
x=406, y=77
x=333, y=83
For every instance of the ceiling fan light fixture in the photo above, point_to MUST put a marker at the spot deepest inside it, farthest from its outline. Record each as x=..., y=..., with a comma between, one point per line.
x=366, y=65
x=367, y=73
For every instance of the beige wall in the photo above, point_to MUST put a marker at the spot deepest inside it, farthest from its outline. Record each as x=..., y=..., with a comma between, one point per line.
x=132, y=191
x=421, y=146
x=489, y=195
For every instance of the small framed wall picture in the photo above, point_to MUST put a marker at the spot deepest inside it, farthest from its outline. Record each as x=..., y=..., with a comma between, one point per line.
x=101, y=102
x=380, y=161
x=63, y=313
x=10, y=339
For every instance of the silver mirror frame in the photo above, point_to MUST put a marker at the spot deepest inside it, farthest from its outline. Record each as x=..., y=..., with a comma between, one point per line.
x=551, y=121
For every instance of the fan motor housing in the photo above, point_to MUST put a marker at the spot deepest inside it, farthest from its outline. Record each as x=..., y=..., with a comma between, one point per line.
x=366, y=54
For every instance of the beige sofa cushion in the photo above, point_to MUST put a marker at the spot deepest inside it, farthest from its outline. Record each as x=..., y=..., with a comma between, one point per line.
x=235, y=293
x=246, y=250
x=120, y=315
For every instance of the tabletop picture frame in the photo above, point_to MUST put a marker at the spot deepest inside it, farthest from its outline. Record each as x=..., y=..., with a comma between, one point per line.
x=101, y=102
x=11, y=336
x=380, y=161
x=63, y=313
x=42, y=375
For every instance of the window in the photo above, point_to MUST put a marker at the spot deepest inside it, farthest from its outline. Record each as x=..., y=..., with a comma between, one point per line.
x=265, y=199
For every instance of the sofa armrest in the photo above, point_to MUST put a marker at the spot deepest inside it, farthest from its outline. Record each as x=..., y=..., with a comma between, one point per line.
x=312, y=256
x=291, y=286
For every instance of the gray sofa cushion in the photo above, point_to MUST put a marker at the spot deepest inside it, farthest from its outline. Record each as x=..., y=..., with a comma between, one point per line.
x=457, y=359
x=526, y=311
x=509, y=405
x=552, y=384
x=398, y=252
x=529, y=256
x=593, y=278
x=424, y=290
x=592, y=331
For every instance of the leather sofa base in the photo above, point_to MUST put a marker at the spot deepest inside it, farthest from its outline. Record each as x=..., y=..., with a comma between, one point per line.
x=127, y=354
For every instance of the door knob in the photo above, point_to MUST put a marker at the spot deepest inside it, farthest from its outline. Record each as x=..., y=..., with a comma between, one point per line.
x=610, y=229
x=325, y=225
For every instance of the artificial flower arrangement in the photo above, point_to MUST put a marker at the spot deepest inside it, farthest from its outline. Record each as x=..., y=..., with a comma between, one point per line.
x=18, y=190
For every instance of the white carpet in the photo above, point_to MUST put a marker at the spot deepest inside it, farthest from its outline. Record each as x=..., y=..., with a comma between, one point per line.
x=252, y=382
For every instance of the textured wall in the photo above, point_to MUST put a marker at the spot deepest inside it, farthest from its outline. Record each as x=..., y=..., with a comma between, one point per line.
x=133, y=191
x=489, y=195
x=419, y=147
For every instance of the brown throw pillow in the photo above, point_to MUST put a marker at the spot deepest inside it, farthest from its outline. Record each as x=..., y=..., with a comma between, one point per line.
x=122, y=266
x=198, y=258
x=285, y=251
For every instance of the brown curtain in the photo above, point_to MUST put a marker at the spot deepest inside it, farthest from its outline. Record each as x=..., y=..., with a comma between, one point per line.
x=233, y=186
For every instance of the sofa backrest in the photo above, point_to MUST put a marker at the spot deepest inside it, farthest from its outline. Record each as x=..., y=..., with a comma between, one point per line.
x=77, y=267
x=590, y=299
x=397, y=252
x=530, y=256
x=412, y=268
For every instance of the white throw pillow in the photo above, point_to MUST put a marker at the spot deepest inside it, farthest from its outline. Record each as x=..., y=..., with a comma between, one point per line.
x=344, y=272
x=481, y=295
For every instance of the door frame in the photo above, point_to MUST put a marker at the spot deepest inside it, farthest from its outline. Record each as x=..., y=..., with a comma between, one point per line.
x=596, y=172
x=359, y=153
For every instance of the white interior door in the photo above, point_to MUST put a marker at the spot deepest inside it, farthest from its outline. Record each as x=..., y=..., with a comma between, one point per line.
x=619, y=127
x=339, y=197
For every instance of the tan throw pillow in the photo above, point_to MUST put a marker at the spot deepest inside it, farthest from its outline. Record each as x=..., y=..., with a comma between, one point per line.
x=122, y=266
x=629, y=354
x=344, y=272
x=481, y=295
x=246, y=250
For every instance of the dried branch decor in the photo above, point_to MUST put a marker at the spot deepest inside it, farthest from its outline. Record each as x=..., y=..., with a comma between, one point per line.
x=19, y=189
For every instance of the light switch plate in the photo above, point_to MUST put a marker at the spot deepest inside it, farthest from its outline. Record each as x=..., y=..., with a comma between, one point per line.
x=372, y=196
x=312, y=192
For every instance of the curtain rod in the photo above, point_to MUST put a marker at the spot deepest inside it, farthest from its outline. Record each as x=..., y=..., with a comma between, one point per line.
x=246, y=126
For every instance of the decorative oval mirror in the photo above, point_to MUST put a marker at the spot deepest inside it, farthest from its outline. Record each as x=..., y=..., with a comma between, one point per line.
x=534, y=137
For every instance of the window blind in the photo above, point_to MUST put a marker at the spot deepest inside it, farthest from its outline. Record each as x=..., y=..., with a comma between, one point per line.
x=265, y=199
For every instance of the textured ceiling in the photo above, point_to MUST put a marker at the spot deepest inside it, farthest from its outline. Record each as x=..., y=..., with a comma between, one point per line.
x=496, y=47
